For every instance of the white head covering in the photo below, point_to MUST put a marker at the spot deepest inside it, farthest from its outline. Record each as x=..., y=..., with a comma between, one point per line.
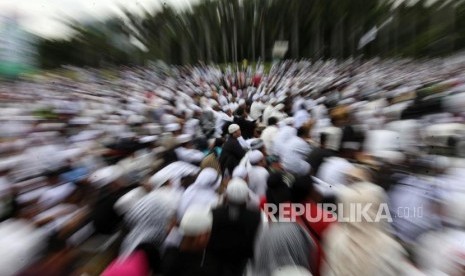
x=291, y=270
x=105, y=176
x=282, y=244
x=240, y=171
x=196, y=221
x=237, y=191
x=255, y=156
x=233, y=128
x=183, y=138
x=127, y=201
x=175, y=170
x=172, y=127
x=201, y=192
x=148, y=221
x=376, y=252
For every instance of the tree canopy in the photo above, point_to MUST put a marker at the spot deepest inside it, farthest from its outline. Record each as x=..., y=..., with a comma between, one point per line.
x=223, y=31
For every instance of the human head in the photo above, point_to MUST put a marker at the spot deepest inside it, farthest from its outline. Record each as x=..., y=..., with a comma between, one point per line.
x=256, y=158
x=234, y=130
x=195, y=227
x=237, y=191
x=272, y=121
x=302, y=132
x=302, y=189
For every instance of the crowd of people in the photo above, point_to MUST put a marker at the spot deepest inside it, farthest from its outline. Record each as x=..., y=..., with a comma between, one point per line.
x=168, y=171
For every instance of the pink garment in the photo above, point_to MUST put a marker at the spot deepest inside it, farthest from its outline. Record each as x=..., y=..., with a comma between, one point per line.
x=135, y=264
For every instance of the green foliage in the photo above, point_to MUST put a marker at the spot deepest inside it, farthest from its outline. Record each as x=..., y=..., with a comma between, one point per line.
x=224, y=31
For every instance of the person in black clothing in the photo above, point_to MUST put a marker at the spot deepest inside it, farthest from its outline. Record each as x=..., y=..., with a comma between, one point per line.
x=232, y=152
x=247, y=127
x=104, y=217
x=233, y=231
x=318, y=155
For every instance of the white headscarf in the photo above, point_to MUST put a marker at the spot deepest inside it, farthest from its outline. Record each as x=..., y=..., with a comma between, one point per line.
x=362, y=248
x=148, y=221
x=282, y=244
x=202, y=192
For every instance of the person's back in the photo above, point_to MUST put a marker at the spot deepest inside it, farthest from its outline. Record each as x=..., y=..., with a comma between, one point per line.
x=269, y=134
x=295, y=154
x=233, y=232
x=232, y=238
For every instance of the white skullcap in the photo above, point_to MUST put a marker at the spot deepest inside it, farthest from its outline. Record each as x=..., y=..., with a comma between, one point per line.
x=148, y=139
x=256, y=143
x=183, y=138
x=240, y=171
x=233, y=128
x=241, y=102
x=289, y=121
x=172, y=127
x=291, y=271
x=105, y=176
x=196, y=221
x=127, y=201
x=255, y=156
x=237, y=191
x=213, y=103
x=390, y=156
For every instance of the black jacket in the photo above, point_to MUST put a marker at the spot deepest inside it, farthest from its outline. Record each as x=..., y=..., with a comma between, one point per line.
x=231, y=154
x=232, y=239
x=247, y=127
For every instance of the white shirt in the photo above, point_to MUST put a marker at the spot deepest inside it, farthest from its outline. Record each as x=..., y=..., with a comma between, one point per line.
x=300, y=118
x=333, y=171
x=294, y=155
x=256, y=110
x=268, y=136
x=189, y=155
x=258, y=177
x=282, y=136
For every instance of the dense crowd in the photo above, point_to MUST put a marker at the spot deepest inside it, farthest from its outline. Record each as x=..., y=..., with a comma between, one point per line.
x=172, y=170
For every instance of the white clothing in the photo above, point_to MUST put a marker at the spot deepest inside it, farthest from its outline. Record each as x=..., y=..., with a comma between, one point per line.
x=294, y=156
x=333, y=171
x=268, y=136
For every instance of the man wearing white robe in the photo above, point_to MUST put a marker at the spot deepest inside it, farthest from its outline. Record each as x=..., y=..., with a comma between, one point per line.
x=295, y=152
x=269, y=134
x=257, y=174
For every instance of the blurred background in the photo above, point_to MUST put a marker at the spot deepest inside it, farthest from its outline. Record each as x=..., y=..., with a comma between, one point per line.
x=108, y=33
x=118, y=117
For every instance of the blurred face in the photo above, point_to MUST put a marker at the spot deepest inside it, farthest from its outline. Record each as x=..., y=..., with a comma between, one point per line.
x=237, y=134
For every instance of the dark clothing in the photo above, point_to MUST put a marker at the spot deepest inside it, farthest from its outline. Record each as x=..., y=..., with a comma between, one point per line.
x=169, y=157
x=232, y=238
x=231, y=154
x=153, y=256
x=247, y=127
x=277, y=190
x=317, y=157
x=177, y=263
x=104, y=217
